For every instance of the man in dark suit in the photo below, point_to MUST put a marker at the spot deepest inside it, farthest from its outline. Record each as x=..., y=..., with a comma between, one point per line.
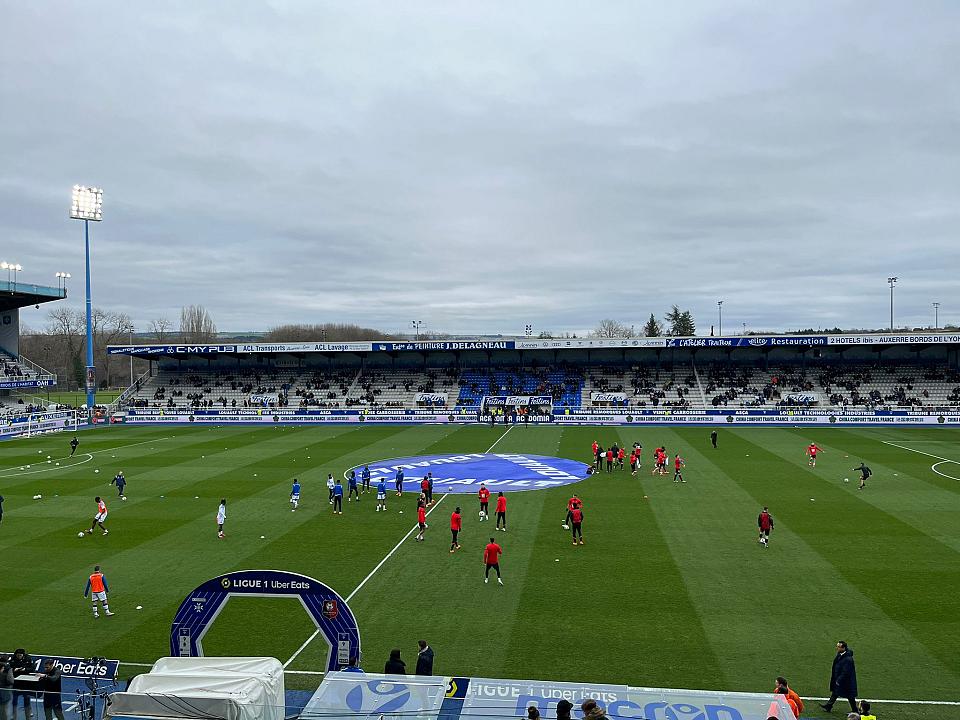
x=843, y=678
x=424, y=659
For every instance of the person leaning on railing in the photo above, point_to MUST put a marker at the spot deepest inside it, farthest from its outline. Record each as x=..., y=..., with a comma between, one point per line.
x=6, y=687
x=51, y=685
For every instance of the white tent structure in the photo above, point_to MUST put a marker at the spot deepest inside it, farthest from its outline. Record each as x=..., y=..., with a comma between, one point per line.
x=242, y=688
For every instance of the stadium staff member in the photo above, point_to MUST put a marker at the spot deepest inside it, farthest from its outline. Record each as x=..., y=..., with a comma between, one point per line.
x=424, y=658
x=20, y=664
x=6, y=687
x=50, y=684
x=843, y=678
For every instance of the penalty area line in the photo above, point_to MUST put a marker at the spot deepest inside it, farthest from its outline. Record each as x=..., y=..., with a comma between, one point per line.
x=935, y=457
x=380, y=564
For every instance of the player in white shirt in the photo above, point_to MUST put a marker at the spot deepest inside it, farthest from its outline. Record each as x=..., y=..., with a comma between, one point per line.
x=331, y=483
x=100, y=517
x=221, y=517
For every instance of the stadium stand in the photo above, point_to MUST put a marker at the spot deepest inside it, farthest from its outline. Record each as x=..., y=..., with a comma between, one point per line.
x=671, y=386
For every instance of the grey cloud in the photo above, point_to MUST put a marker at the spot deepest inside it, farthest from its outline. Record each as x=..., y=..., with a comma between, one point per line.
x=481, y=167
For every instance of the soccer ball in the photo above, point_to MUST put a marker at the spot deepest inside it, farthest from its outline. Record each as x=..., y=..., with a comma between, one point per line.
x=123, y=497
x=846, y=479
x=565, y=526
x=80, y=534
x=482, y=515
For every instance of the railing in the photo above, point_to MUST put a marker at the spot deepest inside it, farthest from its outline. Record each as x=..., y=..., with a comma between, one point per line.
x=41, y=373
x=129, y=392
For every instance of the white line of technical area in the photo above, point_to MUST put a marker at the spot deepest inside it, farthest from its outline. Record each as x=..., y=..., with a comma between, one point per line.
x=385, y=558
x=936, y=457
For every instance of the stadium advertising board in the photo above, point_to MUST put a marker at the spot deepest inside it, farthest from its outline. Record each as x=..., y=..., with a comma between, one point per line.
x=328, y=611
x=170, y=349
x=452, y=698
x=567, y=417
x=439, y=398
x=518, y=400
x=35, y=382
x=895, y=339
x=76, y=667
x=612, y=397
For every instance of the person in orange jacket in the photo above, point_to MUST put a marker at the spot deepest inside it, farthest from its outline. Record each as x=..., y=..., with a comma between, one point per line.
x=793, y=699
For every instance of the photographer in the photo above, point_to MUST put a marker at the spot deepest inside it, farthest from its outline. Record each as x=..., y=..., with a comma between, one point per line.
x=21, y=664
x=6, y=687
x=51, y=684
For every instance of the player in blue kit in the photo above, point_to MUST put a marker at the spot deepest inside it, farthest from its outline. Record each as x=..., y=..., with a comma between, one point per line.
x=381, y=496
x=295, y=494
x=398, y=481
x=352, y=487
x=365, y=477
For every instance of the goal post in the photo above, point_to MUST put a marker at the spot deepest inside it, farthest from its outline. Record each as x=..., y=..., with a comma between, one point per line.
x=38, y=423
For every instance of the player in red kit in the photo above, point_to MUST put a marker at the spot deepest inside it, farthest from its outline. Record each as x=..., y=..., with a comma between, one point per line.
x=620, y=456
x=812, y=450
x=593, y=449
x=576, y=523
x=572, y=504
x=456, y=522
x=491, y=559
x=484, y=495
x=678, y=465
x=765, y=523
x=501, y=511
x=421, y=520
x=609, y=460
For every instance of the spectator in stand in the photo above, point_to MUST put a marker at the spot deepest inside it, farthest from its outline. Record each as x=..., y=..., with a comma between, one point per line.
x=50, y=684
x=843, y=678
x=563, y=710
x=533, y=713
x=424, y=658
x=395, y=666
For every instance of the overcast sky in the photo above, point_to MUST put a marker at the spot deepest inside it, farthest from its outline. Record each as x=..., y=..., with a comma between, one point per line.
x=480, y=166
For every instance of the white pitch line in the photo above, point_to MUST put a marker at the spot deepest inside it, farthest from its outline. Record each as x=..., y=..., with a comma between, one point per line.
x=385, y=558
x=11, y=473
x=936, y=457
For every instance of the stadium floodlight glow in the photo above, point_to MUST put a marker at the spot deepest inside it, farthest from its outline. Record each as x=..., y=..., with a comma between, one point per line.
x=415, y=324
x=13, y=268
x=87, y=203
x=62, y=278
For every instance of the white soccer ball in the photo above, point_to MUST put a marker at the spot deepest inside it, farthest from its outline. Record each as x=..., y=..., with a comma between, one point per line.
x=96, y=471
x=80, y=534
x=846, y=479
x=123, y=497
x=481, y=514
x=566, y=527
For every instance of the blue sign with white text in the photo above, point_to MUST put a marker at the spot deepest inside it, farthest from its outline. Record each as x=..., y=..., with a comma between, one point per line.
x=463, y=473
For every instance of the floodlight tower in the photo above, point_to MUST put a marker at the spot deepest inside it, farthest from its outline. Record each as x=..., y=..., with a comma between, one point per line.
x=892, y=281
x=720, y=318
x=87, y=205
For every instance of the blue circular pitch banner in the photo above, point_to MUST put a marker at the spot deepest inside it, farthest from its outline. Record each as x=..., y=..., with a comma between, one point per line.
x=463, y=473
x=328, y=611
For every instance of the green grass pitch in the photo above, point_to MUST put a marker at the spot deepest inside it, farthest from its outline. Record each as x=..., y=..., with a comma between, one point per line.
x=671, y=588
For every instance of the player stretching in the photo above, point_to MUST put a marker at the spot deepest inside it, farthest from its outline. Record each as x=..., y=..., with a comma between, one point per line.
x=678, y=466
x=812, y=450
x=765, y=523
x=484, y=494
x=865, y=472
x=295, y=494
x=381, y=495
x=221, y=517
x=73, y=445
x=100, y=517
x=456, y=522
x=421, y=520
x=97, y=584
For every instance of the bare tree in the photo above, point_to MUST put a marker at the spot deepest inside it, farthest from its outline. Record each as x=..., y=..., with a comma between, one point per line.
x=196, y=325
x=160, y=328
x=611, y=329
